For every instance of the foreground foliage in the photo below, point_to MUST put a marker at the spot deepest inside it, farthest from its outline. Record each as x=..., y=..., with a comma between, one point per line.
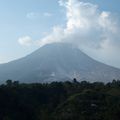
x=60, y=101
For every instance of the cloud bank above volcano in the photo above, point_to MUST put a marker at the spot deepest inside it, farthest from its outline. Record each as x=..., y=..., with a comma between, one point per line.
x=94, y=31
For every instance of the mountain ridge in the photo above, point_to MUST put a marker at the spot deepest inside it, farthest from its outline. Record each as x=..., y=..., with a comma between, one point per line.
x=55, y=62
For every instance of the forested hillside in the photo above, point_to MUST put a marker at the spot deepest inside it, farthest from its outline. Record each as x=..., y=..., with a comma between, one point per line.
x=60, y=101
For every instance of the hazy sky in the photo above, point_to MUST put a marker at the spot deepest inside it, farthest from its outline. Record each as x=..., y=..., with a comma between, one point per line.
x=93, y=25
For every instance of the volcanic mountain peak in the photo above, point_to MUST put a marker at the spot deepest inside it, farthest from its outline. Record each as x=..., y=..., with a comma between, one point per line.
x=57, y=62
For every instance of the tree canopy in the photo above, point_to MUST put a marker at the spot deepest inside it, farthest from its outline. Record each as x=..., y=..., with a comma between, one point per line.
x=60, y=101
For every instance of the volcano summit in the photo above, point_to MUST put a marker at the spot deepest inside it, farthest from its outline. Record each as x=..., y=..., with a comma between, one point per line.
x=57, y=62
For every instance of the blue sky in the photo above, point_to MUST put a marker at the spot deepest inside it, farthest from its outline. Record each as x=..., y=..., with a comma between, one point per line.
x=14, y=23
x=36, y=19
x=109, y=5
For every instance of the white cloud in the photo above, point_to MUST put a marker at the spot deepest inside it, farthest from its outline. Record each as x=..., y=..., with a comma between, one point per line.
x=25, y=41
x=86, y=26
x=95, y=32
x=33, y=15
x=48, y=14
x=55, y=36
x=36, y=15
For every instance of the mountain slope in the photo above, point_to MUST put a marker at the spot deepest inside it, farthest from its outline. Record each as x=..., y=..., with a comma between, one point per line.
x=57, y=61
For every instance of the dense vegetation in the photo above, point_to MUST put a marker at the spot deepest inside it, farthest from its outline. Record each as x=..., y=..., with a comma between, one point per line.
x=60, y=101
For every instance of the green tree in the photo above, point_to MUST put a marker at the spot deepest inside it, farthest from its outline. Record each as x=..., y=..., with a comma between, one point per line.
x=9, y=83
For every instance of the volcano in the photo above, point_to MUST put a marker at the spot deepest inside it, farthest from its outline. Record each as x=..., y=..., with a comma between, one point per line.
x=57, y=62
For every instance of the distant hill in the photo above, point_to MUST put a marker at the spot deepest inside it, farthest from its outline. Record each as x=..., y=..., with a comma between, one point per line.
x=57, y=62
